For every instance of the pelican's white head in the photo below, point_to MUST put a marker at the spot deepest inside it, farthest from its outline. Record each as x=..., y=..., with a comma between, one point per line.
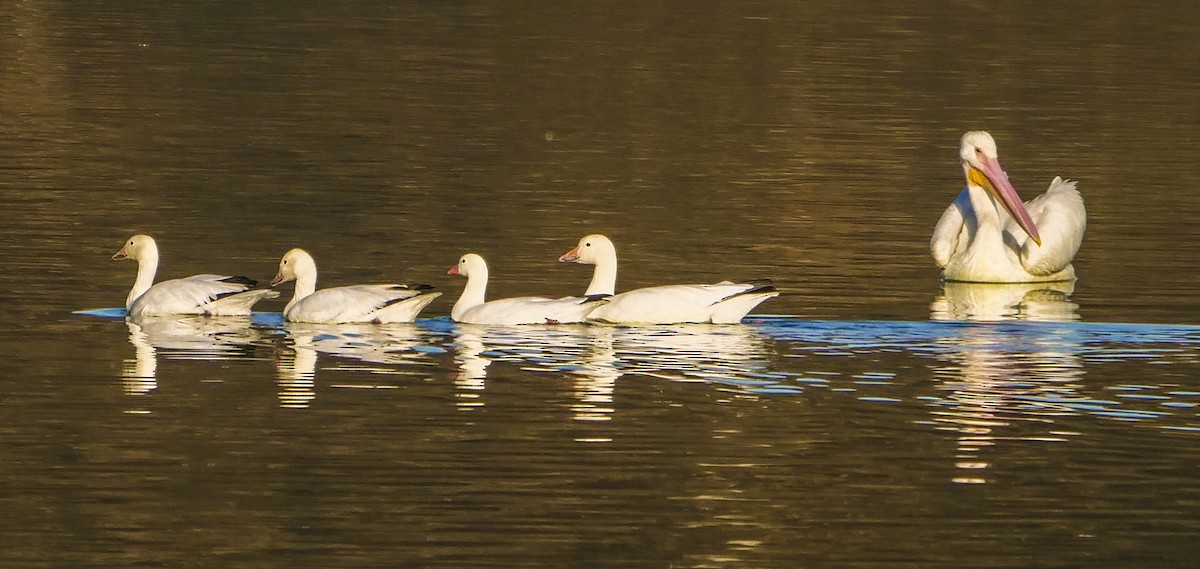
x=295, y=265
x=981, y=164
x=976, y=146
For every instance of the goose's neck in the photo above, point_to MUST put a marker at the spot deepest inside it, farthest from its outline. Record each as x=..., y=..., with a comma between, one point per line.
x=473, y=294
x=147, y=266
x=604, y=278
x=305, y=285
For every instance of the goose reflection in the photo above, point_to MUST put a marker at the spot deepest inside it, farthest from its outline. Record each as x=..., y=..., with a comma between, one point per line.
x=296, y=364
x=596, y=379
x=472, y=366
x=594, y=357
x=733, y=355
x=1047, y=301
x=182, y=337
x=1005, y=383
x=561, y=348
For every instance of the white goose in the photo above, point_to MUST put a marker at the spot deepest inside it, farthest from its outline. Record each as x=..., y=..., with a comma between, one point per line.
x=975, y=240
x=377, y=304
x=721, y=303
x=471, y=308
x=210, y=295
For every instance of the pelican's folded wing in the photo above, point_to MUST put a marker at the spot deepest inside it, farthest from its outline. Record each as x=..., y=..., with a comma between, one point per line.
x=948, y=232
x=1061, y=219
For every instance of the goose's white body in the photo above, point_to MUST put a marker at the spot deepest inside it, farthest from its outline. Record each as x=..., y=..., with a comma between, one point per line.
x=209, y=295
x=721, y=303
x=471, y=307
x=377, y=304
x=988, y=235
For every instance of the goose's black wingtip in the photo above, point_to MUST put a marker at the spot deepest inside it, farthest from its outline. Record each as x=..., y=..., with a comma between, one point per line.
x=420, y=287
x=247, y=281
x=760, y=285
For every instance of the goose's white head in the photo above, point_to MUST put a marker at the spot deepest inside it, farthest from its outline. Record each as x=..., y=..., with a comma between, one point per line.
x=467, y=264
x=137, y=248
x=981, y=164
x=295, y=264
x=591, y=250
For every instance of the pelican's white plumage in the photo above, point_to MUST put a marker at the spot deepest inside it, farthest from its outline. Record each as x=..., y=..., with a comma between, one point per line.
x=721, y=303
x=378, y=304
x=988, y=235
x=210, y=295
x=472, y=309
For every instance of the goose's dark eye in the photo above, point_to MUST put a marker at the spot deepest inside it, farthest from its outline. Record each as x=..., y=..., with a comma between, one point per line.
x=285, y=261
x=587, y=244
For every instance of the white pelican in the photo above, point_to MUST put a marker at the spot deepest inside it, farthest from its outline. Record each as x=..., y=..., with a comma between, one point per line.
x=721, y=303
x=471, y=308
x=977, y=241
x=376, y=304
x=210, y=295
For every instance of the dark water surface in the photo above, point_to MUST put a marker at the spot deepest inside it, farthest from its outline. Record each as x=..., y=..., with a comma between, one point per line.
x=871, y=418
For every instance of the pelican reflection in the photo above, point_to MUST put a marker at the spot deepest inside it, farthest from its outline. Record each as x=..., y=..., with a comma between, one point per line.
x=1005, y=383
x=1046, y=301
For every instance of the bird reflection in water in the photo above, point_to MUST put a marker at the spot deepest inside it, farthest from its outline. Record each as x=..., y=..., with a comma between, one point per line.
x=472, y=367
x=182, y=338
x=296, y=365
x=595, y=356
x=596, y=378
x=1046, y=302
x=567, y=348
x=727, y=355
x=296, y=372
x=1004, y=378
